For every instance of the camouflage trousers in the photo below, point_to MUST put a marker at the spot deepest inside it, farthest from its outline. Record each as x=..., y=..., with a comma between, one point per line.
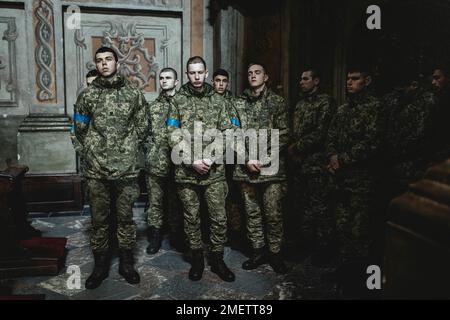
x=264, y=202
x=159, y=190
x=111, y=200
x=313, y=197
x=353, y=212
x=233, y=202
x=155, y=188
x=214, y=196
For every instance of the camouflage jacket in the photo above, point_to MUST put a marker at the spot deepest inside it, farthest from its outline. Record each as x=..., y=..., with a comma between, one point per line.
x=110, y=125
x=409, y=140
x=267, y=111
x=228, y=95
x=312, y=116
x=212, y=112
x=158, y=150
x=355, y=135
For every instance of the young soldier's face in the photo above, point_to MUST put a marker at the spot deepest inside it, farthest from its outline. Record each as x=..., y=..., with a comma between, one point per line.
x=167, y=80
x=106, y=64
x=307, y=82
x=257, y=77
x=197, y=74
x=439, y=79
x=357, y=82
x=220, y=84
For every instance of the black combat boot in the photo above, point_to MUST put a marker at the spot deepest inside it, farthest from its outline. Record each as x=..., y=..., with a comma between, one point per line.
x=257, y=258
x=154, y=237
x=219, y=267
x=126, y=267
x=100, y=272
x=277, y=263
x=197, y=265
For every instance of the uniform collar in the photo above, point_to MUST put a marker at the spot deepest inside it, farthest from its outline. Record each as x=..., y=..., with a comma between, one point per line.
x=309, y=95
x=248, y=95
x=103, y=83
x=208, y=90
x=163, y=98
x=359, y=97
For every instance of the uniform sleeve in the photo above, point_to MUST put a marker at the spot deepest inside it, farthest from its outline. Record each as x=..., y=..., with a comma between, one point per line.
x=229, y=122
x=178, y=139
x=332, y=135
x=240, y=144
x=367, y=145
x=315, y=139
x=421, y=140
x=80, y=125
x=173, y=123
x=281, y=123
x=161, y=138
x=233, y=114
x=142, y=120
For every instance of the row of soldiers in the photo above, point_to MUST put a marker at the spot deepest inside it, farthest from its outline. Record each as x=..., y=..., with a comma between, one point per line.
x=351, y=160
x=336, y=151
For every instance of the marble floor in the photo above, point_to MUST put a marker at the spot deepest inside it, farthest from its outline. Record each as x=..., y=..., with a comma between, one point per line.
x=164, y=275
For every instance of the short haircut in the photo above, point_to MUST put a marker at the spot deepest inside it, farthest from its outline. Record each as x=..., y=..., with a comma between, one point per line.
x=106, y=49
x=364, y=70
x=314, y=72
x=170, y=70
x=443, y=69
x=92, y=73
x=257, y=63
x=221, y=72
x=195, y=59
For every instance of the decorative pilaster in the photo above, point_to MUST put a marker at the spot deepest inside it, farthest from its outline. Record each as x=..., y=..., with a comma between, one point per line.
x=45, y=51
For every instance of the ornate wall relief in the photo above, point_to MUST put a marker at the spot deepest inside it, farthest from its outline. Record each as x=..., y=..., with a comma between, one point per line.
x=44, y=51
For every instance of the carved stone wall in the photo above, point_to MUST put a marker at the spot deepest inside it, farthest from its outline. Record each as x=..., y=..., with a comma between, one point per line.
x=8, y=63
x=14, y=98
x=143, y=44
x=43, y=64
x=161, y=4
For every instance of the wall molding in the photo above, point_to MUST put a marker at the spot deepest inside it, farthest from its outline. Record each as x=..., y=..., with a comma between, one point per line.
x=10, y=35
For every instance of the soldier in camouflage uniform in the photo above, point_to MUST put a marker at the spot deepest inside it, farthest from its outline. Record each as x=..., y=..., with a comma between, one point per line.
x=111, y=124
x=201, y=176
x=441, y=87
x=410, y=135
x=312, y=116
x=353, y=144
x=260, y=108
x=221, y=81
x=158, y=159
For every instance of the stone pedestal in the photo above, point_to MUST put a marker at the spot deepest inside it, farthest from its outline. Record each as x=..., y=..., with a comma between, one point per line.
x=44, y=145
